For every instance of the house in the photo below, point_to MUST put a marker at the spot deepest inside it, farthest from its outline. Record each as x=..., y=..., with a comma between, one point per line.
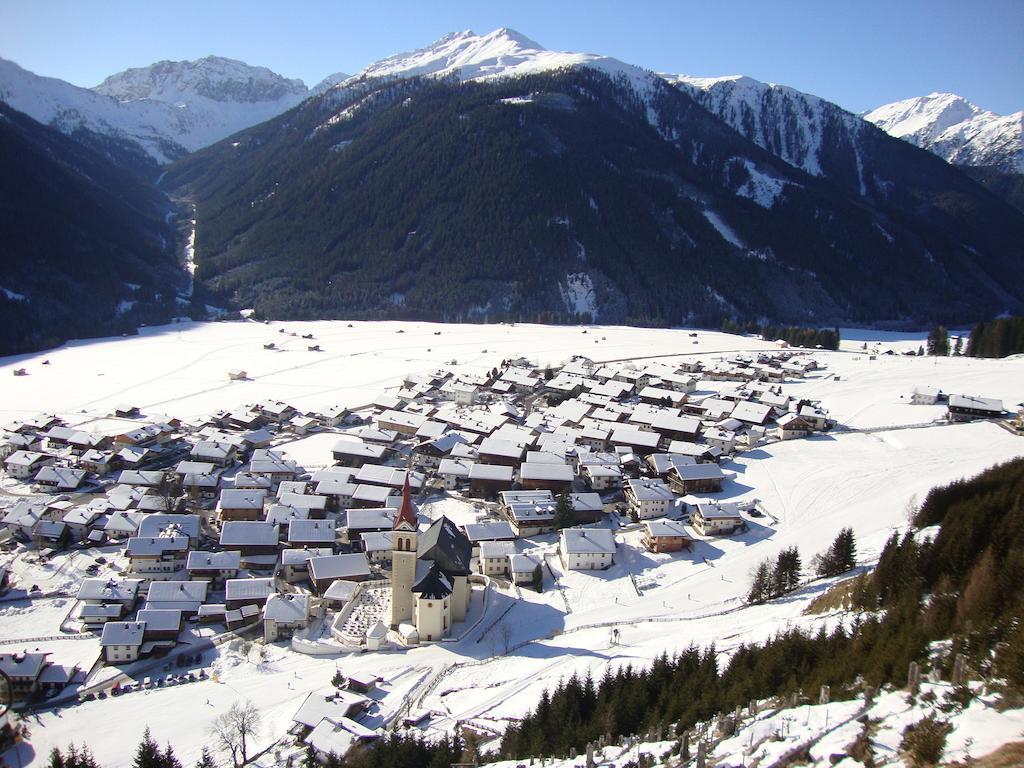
x=272, y=465
x=493, y=557
x=239, y=593
x=323, y=571
x=312, y=533
x=648, y=498
x=364, y=495
x=494, y=450
x=333, y=416
x=713, y=520
x=586, y=507
x=183, y=596
x=752, y=413
x=23, y=670
x=162, y=627
x=316, y=707
x=336, y=736
x=640, y=442
x=525, y=569
x=99, y=462
x=159, y=524
x=256, y=541
x=723, y=439
x=218, y=454
x=487, y=480
x=235, y=504
x=294, y=562
x=791, y=426
x=215, y=567
x=283, y=615
x=696, y=478
x=529, y=512
x=544, y=475
x=121, y=592
x=454, y=472
x=464, y=394
x=378, y=545
x=586, y=549
x=353, y=453
x=157, y=557
x=51, y=533
x=967, y=408
x=121, y=641
x=817, y=418
x=25, y=464
x=403, y=422
x=602, y=477
x=339, y=593
x=362, y=521
x=152, y=480
x=924, y=395
x=665, y=536
x=478, y=533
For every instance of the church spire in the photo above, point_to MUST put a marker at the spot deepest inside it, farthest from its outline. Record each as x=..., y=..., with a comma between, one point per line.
x=407, y=513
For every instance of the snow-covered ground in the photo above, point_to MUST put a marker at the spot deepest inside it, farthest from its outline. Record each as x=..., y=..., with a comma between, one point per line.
x=809, y=488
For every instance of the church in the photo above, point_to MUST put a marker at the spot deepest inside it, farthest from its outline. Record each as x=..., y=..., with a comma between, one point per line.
x=429, y=575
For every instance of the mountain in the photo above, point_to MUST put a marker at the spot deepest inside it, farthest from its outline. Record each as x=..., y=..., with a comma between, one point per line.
x=485, y=177
x=956, y=130
x=88, y=247
x=167, y=109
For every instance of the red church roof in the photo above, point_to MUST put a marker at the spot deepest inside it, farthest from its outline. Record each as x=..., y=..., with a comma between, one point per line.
x=407, y=513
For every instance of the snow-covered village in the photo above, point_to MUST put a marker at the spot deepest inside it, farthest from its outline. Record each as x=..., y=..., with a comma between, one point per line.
x=370, y=528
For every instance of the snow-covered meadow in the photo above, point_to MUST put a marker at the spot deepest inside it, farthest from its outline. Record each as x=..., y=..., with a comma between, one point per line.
x=810, y=489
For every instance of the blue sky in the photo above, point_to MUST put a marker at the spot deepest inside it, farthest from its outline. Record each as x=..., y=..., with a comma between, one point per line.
x=858, y=53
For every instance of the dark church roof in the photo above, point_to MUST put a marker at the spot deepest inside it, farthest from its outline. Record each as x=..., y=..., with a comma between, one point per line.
x=433, y=585
x=447, y=546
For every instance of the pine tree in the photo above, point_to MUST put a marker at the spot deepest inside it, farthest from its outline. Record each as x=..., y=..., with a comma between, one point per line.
x=168, y=759
x=147, y=755
x=206, y=759
x=841, y=556
x=761, y=584
x=57, y=759
x=565, y=517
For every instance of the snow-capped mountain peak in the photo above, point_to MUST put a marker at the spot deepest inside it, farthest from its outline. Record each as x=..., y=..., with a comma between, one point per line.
x=214, y=77
x=956, y=130
x=501, y=53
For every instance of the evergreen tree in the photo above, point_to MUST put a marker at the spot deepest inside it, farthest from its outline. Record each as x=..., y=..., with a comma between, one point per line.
x=841, y=556
x=147, y=754
x=786, y=574
x=761, y=584
x=938, y=341
x=206, y=759
x=564, y=515
x=958, y=348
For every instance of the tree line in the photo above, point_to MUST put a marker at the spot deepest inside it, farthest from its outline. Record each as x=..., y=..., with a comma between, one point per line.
x=826, y=338
x=970, y=573
x=997, y=338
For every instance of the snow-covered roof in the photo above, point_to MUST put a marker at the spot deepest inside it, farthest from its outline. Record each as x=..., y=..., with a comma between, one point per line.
x=585, y=541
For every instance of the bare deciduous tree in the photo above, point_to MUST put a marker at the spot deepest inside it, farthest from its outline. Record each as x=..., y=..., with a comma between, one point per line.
x=232, y=731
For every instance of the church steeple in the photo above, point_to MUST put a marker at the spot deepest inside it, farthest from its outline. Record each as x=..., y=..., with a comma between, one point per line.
x=407, y=519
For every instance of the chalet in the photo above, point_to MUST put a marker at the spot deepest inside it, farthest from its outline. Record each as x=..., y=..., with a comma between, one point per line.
x=602, y=477
x=294, y=562
x=243, y=592
x=146, y=435
x=586, y=548
x=323, y=571
x=162, y=627
x=157, y=557
x=51, y=534
x=790, y=426
x=968, y=408
x=235, y=504
x=662, y=396
x=353, y=453
x=215, y=567
x=454, y=472
x=120, y=592
x=752, y=413
x=283, y=615
x=333, y=416
x=93, y=617
x=23, y=517
x=493, y=557
x=430, y=453
x=648, y=498
x=121, y=641
x=383, y=437
x=201, y=488
x=337, y=489
x=275, y=411
x=183, y=596
x=713, y=520
x=529, y=512
x=640, y=442
x=364, y=495
x=477, y=533
x=218, y=454
x=313, y=506
x=391, y=477
x=701, y=452
x=538, y=475
x=25, y=464
x=464, y=394
x=924, y=395
x=696, y=478
x=723, y=439
x=586, y=507
x=272, y=466
x=362, y=521
x=675, y=427
x=23, y=670
x=817, y=418
x=80, y=520
x=487, y=480
x=135, y=456
x=171, y=525
x=660, y=464
x=99, y=462
x=525, y=569
x=337, y=736
x=494, y=450
x=338, y=594
x=403, y=422
x=312, y=533
x=256, y=541
x=378, y=546
x=665, y=536
x=151, y=480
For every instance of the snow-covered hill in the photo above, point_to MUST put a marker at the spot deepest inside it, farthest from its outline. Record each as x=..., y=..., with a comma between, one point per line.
x=501, y=53
x=169, y=108
x=956, y=130
x=795, y=126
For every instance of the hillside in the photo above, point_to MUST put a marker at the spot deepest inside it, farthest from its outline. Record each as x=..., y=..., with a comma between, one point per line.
x=87, y=247
x=577, y=193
